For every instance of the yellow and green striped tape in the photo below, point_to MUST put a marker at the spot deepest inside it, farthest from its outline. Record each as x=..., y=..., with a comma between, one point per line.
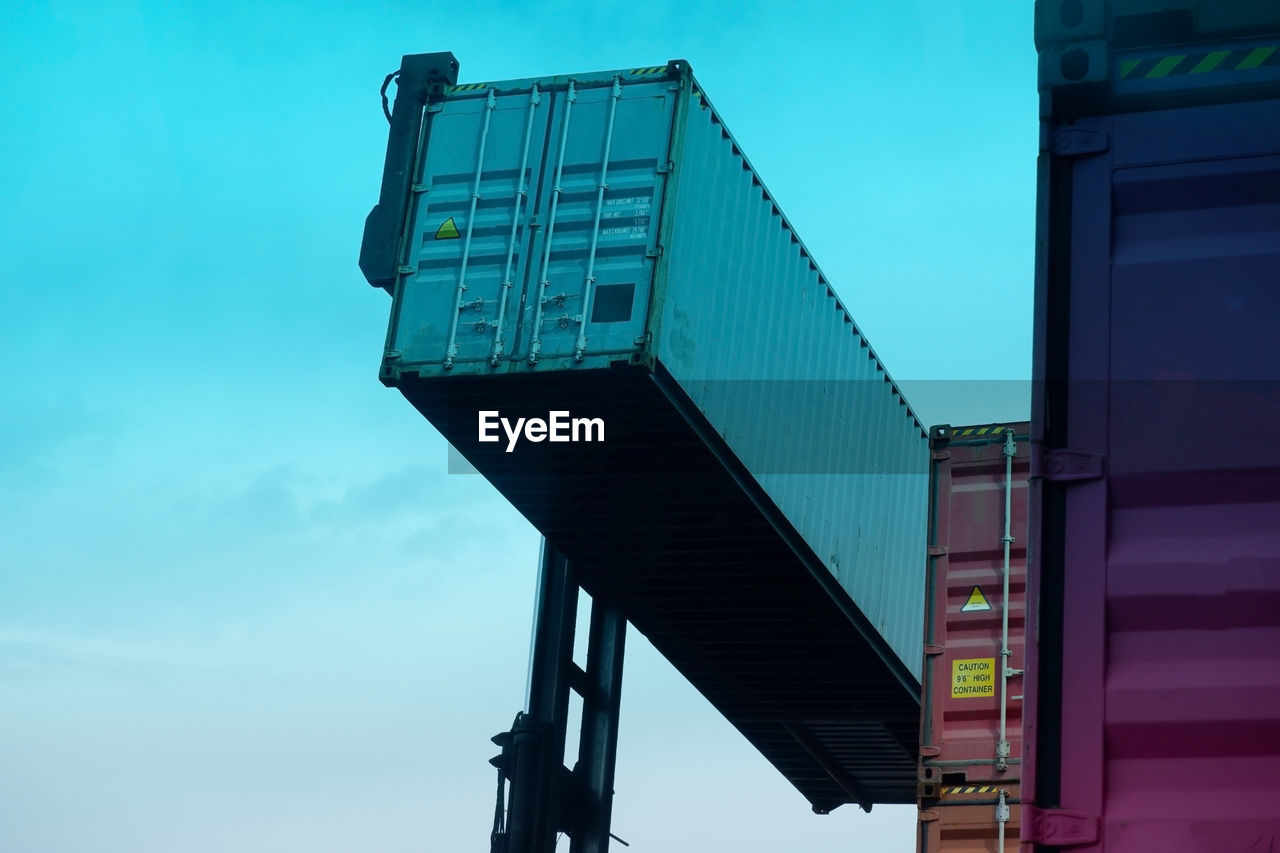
x=1177, y=64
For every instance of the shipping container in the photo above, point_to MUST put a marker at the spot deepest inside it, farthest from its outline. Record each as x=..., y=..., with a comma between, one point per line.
x=975, y=613
x=598, y=245
x=1153, y=683
x=975, y=606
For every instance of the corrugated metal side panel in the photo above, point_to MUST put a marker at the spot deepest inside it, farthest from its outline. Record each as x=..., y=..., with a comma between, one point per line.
x=960, y=718
x=755, y=336
x=1158, y=583
x=967, y=823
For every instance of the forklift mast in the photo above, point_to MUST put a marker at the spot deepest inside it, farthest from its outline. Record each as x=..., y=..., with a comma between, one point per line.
x=538, y=797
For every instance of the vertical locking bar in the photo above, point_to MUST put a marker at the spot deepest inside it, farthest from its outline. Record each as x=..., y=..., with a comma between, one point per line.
x=1002, y=818
x=522, y=197
x=535, y=345
x=452, y=351
x=1006, y=672
x=587, y=286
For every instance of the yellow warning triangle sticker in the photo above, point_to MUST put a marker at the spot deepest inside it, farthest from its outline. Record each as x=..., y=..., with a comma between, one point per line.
x=977, y=601
x=447, y=230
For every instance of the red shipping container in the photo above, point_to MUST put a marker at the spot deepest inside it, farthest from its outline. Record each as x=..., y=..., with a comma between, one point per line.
x=974, y=621
x=975, y=613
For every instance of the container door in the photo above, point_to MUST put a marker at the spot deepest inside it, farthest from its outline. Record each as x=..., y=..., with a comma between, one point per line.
x=470, y=227
x=1166, y=577
x=971, y=622
x=598, y=204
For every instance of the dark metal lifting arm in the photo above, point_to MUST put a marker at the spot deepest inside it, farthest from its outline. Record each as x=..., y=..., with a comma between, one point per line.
x=421, y=78
x=544, y=797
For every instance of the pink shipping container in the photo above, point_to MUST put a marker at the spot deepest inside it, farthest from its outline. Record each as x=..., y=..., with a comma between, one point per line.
x=972, y=480
x=975, y=614
x=1153, y=679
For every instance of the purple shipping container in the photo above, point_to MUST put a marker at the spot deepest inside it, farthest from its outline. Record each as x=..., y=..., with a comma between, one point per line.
x=1153, y=684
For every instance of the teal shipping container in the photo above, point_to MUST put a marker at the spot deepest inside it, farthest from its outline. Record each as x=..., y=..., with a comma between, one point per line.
x=599, y=304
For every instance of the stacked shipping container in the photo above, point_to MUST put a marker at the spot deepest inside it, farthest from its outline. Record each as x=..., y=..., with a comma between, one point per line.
x=975, y=609
x=1152, y=640
x=1153, y=690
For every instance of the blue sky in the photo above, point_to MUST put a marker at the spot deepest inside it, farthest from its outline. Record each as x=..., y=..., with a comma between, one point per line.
x=242, y=604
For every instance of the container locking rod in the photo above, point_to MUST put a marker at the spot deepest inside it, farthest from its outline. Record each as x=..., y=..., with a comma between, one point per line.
x=581, y=347
x=535, y=345
x=451, y=351
x=522, y=196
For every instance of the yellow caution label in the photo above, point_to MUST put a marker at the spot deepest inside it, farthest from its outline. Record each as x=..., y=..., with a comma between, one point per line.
x=448, y=230
x=975, y=601
x=973, y=677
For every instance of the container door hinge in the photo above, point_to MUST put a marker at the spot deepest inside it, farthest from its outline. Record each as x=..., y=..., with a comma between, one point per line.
x=937, y=550
x=436, y=107
x=406, y=270
x=655, y=252
x=1061, y=828
x=665, y=168
x=1077, y=141
x=930, y=751
x=1066, y=466
x=932, y=650
x=928, y=815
